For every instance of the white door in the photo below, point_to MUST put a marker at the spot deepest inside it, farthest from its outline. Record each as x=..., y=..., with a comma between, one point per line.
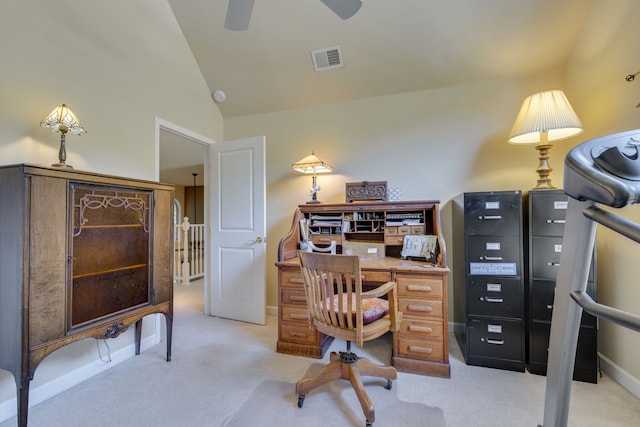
x=238, y=229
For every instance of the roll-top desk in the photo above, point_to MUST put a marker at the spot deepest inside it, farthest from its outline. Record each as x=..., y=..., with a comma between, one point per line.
x=83, y=256
x=421, y=345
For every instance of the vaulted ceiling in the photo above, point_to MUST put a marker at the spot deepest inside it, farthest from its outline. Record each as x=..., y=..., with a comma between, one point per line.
x=388, y=46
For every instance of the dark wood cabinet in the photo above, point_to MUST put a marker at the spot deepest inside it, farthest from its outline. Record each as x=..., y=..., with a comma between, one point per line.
x=83, y=255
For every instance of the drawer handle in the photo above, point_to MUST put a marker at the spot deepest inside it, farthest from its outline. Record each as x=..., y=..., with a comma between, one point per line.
x=425, y=308
x=413, y=328
x=420, y=288
x=492, y=258
x=296, y=280
x=295, y=316
x=491, y=299
x=556, y=221
x=297, y=298
x=553, y=264
x=418, y=349
x=490, y=217
x=298, y=334
x=496, y=342
x=549, y=306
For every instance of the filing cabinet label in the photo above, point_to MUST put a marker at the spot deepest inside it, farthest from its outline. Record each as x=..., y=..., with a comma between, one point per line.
x=560, y=204
x=493, y=268
x=494, y=287
x=492, y=205
x=557, y=248
x=492, y=246
x=494, y=329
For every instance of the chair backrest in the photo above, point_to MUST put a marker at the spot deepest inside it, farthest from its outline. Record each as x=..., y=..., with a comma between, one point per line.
x=333, y=288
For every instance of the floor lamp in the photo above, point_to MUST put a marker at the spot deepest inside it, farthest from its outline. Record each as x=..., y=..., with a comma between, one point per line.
x=545, y=117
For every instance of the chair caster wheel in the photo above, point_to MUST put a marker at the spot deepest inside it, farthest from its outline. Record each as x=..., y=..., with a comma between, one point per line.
x=300, y=400
x=389, y=385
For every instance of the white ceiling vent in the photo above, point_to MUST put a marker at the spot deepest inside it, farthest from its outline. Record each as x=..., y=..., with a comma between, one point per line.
x=327, y=58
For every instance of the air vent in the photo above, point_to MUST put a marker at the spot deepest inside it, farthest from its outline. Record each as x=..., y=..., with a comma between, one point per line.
x=327, y=58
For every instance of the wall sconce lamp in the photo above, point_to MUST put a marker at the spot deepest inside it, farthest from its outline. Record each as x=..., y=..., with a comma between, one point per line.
x=544, y=117
x=312, y=165
x=63, y=120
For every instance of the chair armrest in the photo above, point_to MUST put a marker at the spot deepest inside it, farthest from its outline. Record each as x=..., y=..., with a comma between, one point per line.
x=379, y=291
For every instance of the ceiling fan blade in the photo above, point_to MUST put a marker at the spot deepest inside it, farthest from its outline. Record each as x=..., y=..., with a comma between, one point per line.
x=345, y=9
x=238, y=15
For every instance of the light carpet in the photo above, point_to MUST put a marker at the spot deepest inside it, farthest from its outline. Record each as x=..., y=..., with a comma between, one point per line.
x=275, y=403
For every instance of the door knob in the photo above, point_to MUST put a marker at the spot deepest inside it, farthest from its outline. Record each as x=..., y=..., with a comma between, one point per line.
x=258, y=239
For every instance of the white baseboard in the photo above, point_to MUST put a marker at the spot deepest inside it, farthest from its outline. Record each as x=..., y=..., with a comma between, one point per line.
x=272, y=311
x=39, y=394
x=619, y=375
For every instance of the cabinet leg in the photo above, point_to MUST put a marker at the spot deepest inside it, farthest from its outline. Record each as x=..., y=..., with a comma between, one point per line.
x=23, y=402
x=138, y=335
x=169, y=321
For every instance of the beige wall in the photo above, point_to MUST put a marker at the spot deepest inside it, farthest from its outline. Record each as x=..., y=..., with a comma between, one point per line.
x=119, y=65
x=436, y=144
x=136, y=66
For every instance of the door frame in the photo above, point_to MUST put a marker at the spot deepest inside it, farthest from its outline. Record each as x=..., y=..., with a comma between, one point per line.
x=161, y=124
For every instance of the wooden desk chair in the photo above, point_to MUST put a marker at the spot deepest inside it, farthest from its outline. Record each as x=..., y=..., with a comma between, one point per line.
x=339, y=308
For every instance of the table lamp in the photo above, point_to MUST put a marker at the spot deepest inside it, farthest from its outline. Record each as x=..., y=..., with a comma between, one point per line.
x=63, y=120
x=312, y=165
x=544, y=117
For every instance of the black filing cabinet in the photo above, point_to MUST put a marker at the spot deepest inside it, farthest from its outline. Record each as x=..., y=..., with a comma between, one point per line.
x=488, y=232
x=547, y=210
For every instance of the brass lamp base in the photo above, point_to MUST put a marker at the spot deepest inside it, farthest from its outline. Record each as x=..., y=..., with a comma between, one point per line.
x=62, y=153
x=544, y=182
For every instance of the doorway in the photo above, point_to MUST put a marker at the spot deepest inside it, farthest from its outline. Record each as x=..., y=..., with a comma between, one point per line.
x=182, y=160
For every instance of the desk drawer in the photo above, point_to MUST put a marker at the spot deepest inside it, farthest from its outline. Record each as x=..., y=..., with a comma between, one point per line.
x=297, y=333
x=293, y=297
x=420, y=308
x=326, y=239
x=394, y=240
x=376, y=276
x=421, y=349
x=295, y=314
x=291, y=279
x=424, y=329
x=419, y=287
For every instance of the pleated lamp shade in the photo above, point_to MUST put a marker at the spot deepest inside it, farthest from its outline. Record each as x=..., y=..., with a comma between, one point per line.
x=542, y=112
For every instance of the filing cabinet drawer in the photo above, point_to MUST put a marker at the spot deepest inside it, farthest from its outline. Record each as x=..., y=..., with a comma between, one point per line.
x=419, y=287
x=424, y=329
x=548, y=214
x=297, y=333
x=290, y=296
x=420, y=308
x=495, y=296
x=585, y=353
x=495, y=214
x=494, y=249
x=542, y=294
x=496, y=338
x=295, y=314
x=421, y=349
x=545, y=257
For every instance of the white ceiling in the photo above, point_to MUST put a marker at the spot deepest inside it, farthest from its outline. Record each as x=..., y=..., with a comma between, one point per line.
x=389, y=46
